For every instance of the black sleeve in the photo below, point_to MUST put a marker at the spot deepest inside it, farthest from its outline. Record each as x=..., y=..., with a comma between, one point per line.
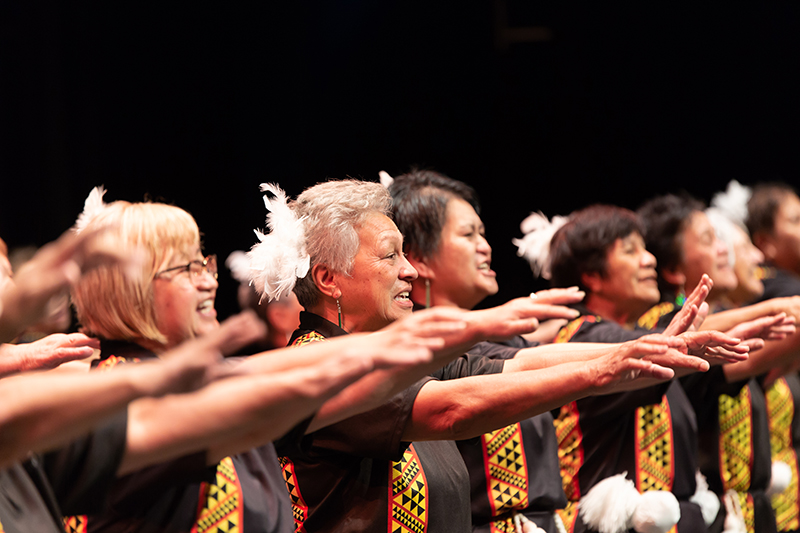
x=469, y=364
x=375, y=434
x=82, y=473
x=493, y=350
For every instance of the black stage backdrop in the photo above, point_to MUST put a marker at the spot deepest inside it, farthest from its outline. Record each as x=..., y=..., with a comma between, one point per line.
x=197, y=104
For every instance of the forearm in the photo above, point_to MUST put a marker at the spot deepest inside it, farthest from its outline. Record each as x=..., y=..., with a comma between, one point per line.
x=774, y=354
x=10, y=362
x=555, y=354
x=730, y=318
x=44, y=410
x=467, y=407
x=231, y=415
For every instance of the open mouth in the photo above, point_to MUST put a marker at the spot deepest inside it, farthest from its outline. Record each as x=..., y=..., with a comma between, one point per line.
x=206, y=307
x=486, y=268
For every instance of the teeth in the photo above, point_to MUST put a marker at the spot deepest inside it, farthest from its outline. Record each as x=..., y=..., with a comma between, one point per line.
x=483, y=266
x=403, y=295
x=207, y=304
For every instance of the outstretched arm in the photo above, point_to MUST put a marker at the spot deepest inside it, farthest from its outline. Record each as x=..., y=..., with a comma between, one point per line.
x=46, y=353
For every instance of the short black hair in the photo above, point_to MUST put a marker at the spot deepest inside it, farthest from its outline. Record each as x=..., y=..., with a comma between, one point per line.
x=419, y=207
x=664, y=219
x=763, y=206
x=582, y=244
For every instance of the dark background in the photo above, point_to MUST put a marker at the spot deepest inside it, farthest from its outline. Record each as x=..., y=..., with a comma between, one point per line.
x=197, y=104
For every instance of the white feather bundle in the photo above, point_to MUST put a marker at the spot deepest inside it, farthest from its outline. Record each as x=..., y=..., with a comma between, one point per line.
x=780, y=479
x=657, y=512
x=239, y=265
x=93, y=206
x=609, y=505
x=707, y=501
x=386, y=179
x=733, y=202
x=280, y=256
x=534, y=246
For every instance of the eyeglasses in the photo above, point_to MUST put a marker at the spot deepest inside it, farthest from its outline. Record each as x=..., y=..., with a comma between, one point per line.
x=196, y=268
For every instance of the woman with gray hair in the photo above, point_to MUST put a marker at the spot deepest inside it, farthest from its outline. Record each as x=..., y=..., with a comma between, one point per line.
x=395, y=468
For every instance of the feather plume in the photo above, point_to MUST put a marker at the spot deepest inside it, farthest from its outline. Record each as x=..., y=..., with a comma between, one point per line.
x=534, y=246
x=733, y=202
x=93, y=206
x=239, y=265
x=280, y=256
x=386, y=179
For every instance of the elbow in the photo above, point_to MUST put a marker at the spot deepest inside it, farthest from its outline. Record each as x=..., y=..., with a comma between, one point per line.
x=457, y=422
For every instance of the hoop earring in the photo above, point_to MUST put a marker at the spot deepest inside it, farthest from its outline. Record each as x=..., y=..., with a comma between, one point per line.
x=427, y=293
x=339, y=308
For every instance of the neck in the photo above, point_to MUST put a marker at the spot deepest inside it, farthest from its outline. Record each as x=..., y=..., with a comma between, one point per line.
x=610, y=310
x=327, y=309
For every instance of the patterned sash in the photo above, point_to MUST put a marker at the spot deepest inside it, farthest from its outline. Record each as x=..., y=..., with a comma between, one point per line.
x=299, y=507
x=655, y=456
x=408, y=495
x=780, y=407
x=736, y=449
x=570, y=456
x=223, y=509
x=650, y=319
x=506, y=469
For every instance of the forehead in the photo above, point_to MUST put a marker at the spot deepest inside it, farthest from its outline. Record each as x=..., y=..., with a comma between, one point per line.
x=378, y=230
x=460, y=211
x=698, y=225
x=790, y=204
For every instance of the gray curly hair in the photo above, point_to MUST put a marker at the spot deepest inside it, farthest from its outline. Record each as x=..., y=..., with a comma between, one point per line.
x=335, y=212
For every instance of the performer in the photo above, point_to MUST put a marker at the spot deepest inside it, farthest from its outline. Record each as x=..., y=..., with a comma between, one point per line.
x=390, y=468
x=514, y=470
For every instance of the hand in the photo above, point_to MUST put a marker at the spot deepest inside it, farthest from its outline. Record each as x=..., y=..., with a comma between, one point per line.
x=713, y=346
x=652, y=356
x=694, y=310
x=194, y=363
x=768, y=328
x=50, y=352
x=54, y=268
x=516, y=317
x=570, y=295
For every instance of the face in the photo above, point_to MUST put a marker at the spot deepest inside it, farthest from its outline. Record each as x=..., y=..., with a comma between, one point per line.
x=378, y=289
x=748, y=259
x=704, y=253
x=461, y=269
x=184, y=305
x=630, y=280
x=785, y=249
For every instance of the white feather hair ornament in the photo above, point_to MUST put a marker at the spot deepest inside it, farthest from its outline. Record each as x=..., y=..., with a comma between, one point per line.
x=534, y=246
x=733, y=202
x=92, y=207
x=781, y=478
x=239, y=265
x=280, y=256
x=386, y=179
x=614, y=506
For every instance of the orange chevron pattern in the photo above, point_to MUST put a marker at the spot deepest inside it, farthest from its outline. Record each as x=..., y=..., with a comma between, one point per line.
x=506, y=469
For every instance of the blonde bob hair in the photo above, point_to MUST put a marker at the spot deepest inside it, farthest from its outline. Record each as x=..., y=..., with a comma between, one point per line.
x=108, y=303
x=335, y=212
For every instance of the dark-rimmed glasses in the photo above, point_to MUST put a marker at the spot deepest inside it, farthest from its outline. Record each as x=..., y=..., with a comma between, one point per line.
x=196, y=268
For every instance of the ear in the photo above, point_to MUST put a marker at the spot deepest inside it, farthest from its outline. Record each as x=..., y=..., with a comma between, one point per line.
x=592, y=281
x=422, y=266
x=325, y=280
x=674, y=277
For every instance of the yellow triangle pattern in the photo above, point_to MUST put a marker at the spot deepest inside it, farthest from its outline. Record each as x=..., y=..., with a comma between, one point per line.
x=780, y=407
x=408, y=495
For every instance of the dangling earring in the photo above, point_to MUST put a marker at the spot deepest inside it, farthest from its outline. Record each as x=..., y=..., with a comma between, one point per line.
x=339, y=307
x=427, y=293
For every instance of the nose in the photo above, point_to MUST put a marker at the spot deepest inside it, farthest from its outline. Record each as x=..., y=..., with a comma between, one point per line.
x=407, y=271
x=758, y=255
x=206, y=281
x=648, y=259
x=484, y=246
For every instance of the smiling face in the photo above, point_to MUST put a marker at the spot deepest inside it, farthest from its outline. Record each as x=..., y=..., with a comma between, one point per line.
x=748, y=259
x=184, y=304
x=376, y=293
x=704, y=253
x=630, y=281
x=784, y=243
x=461, y=271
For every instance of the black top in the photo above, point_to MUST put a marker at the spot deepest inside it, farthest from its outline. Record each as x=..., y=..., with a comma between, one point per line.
x=600, y=436
x=174, y=496
x=514, y=468
x=357, y=475
x=36, y=493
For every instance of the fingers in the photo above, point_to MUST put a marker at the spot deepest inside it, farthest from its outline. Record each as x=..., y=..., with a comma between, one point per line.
x=566, y=296
x=700, y=293
x=236, y=332
x=673, y=358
